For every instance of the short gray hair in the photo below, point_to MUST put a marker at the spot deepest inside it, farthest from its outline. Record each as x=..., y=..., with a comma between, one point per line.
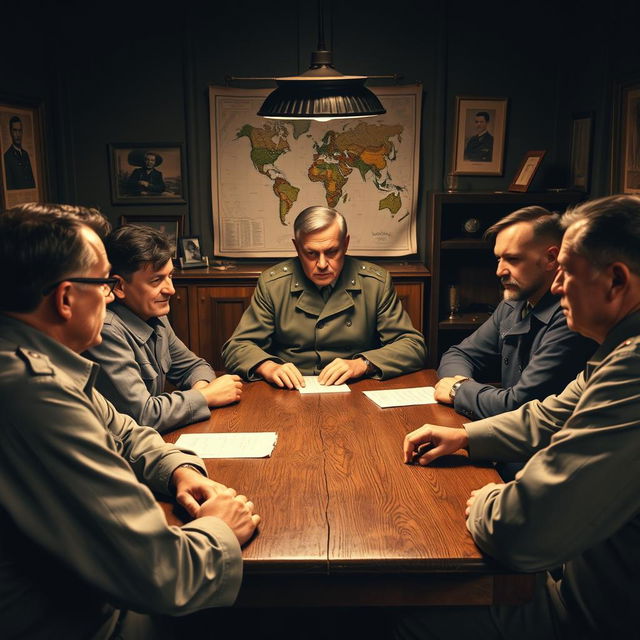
x=609, y=231
x=314, y=219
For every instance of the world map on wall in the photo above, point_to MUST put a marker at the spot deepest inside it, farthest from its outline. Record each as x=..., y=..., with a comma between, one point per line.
x=264, y=172
x=366, y=148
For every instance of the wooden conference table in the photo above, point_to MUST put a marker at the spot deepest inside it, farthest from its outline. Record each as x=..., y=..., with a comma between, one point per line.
x=344, y=521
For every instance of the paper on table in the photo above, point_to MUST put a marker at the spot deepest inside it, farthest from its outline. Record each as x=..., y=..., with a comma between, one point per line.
x=402, y=397
x=313, y=386
x=229, y=445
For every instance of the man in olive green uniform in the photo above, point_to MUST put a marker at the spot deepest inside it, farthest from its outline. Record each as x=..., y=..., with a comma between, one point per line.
x=84, y=544
x=323, y=313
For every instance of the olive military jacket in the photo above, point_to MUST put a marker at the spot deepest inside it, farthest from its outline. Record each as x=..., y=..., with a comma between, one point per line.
x=288, y=321
x=81, y=534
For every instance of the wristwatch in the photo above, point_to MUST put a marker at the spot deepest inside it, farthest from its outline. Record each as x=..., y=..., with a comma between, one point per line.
x=371, y=368
x=455, y=386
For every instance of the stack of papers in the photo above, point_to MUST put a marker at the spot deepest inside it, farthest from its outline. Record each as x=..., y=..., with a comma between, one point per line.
x=402, y=397
x=313, y=386
x=229, y=445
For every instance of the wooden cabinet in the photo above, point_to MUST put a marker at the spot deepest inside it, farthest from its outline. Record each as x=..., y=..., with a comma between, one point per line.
x=461, y=258
x=209, y=304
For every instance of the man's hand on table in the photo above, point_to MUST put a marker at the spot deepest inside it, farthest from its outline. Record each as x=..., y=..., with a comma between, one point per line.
x=431, y=441
x=220, y=391
x=192, y=488
x=235, y=510
x=282, y=375
x=442, y=391
x=474, y=493
x=341, y=370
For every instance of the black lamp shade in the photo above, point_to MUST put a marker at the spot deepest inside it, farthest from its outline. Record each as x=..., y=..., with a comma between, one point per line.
x=321, y=97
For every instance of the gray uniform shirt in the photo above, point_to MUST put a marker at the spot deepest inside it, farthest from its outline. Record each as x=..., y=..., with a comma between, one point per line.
x=81, y=534
x=136, y=358
x=576, y=503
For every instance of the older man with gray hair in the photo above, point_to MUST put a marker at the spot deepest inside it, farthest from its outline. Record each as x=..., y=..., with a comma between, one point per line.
x=323, y=313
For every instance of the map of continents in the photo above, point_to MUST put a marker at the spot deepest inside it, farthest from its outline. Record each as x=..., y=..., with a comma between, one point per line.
x=367, y=148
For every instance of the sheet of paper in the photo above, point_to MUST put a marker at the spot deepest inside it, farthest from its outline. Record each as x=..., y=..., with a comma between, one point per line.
x=229, y=445
x=313, y=386
x=402, y=397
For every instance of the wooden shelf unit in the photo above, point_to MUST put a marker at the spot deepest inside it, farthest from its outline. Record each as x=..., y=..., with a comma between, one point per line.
x=468, y=261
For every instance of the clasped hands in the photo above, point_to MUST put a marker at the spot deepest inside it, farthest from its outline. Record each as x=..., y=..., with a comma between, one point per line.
x=200, y=496
x=287, y=375
x=430, y=441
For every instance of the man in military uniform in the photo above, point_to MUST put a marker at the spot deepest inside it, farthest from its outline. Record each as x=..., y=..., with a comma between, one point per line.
x=574, y=509
x=323, y=314
x=17, y=165
x=479, y=147
x=84, y=544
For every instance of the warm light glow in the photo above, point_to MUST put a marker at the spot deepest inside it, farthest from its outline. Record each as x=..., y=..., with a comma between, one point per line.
x=325, y=119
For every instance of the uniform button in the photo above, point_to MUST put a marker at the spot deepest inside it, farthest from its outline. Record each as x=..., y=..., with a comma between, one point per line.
x=363, y=268
x=33, y=354
x=353, y=282
x=271, y=273
x=506, y=360
x=285, y=268
x=348, y=323
x=296, y=285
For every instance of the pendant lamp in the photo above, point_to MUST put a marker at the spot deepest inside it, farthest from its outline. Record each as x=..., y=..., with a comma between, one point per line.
x=322, y=92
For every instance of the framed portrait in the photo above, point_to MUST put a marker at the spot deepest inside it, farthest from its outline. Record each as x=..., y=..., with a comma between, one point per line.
x=191, y=253
x=625, y=157
x=524, y=176
x=147, y=173
x=481, y=124
x=580, y=159
x=22, y=152
x=170, y=225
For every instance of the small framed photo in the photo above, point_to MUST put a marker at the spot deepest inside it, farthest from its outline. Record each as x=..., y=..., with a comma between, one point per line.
x=147, y=173
x=191, y=253
x=21, y=152
x=170, y=225
x=480, y=135
x=530, y=164
x=580, y=162
x=625, y=165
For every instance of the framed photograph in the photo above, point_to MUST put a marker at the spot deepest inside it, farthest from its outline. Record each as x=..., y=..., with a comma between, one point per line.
x=481, y=124
x=191, y=253
x=580, y=162
x=170, y=225
x=21, y=152
x=625, y=157
x=147, y=173
x=530, y=164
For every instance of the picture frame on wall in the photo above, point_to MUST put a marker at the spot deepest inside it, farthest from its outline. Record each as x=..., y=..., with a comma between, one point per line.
x=170, y=225
x=625, y=163
x=147, y=173
x=481, y=125
x=22, y=152
x=528, y=168
x=581, y=154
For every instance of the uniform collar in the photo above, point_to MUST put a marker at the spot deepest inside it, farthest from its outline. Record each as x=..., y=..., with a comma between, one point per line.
x=140, y=329
x=309, y=298
x=628, y=327
x=544, y=311
x=34, y=343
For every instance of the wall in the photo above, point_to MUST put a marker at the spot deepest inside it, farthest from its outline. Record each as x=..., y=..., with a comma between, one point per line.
x=128, y=73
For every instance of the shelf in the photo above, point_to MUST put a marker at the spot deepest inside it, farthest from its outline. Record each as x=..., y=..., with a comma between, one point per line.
x=465, y=243
x=464, y=321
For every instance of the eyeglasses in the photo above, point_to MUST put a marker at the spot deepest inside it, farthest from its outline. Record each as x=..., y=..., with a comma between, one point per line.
x=107, y=284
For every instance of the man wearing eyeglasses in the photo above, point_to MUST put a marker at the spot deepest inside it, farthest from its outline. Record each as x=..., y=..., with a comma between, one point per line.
x=83, y=543
x=139, y=350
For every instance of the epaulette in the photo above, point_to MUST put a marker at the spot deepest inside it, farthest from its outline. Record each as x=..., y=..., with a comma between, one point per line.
x=278, y=271
x=372, y=270
x=37, y=363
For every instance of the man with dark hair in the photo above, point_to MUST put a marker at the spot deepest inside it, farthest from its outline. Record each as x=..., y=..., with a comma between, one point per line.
x=479, y=147
x=526, y=344
x=139, y=350
x=17, y=165
x=84, y=544
x=574, y=509
x=147, y=180
x=323, y=314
